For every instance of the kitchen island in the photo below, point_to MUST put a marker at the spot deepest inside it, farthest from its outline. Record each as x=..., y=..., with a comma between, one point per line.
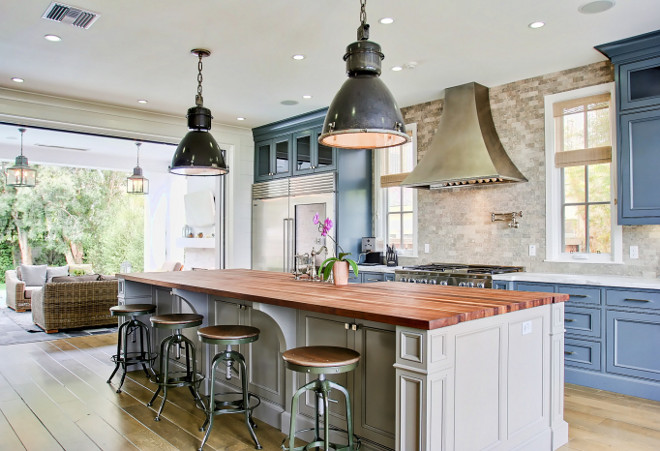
x=441, y=368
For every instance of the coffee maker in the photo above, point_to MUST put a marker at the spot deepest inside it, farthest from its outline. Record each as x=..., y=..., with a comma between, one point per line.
x=371, y=257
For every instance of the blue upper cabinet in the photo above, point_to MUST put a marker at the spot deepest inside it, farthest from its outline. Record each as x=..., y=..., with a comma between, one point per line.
x=290, y=147
x=637, y=77
x=309, y=156
x=272, y=158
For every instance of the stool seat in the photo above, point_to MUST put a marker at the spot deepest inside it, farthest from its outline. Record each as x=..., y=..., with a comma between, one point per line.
x=180, y=320
x=227, y=332
x=132, y=309
x=321, y=356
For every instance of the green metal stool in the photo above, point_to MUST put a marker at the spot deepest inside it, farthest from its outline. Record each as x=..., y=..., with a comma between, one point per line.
x=190, y=377
x=321, y=360
x=138, y=330
x=228, y=336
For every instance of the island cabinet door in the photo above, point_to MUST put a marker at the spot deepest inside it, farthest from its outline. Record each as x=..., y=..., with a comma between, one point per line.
x=374, y=403
x=317, y=329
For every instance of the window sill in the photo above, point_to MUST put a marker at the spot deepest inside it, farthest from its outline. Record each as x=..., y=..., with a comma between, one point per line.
x=584, y=261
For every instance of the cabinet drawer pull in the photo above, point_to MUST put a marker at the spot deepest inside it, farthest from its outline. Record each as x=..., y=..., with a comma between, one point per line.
x=568, y=353
x=578, y=296
x=636, y=300
x=568, y=320
x=373, y=280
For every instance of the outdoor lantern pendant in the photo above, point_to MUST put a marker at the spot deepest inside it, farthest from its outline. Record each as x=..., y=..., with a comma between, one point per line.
x=198, y=153
x=20, y=174
x=137, y=183
x=363, y=114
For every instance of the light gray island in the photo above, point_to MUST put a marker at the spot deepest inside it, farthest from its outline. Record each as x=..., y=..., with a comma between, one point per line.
x=442, y=368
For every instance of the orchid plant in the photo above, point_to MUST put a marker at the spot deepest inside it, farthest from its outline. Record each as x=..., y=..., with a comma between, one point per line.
x=326, y=266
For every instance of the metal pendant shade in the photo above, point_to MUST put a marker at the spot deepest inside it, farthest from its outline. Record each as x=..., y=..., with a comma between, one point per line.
x=21, y=174
x=137, y=183
x=198, y=152
x=363, y=114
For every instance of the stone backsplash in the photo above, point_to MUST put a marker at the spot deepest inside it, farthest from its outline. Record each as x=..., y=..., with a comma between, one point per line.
x=456, y=223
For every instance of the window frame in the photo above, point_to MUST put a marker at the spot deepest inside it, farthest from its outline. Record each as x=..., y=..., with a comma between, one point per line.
x=554, y=184
x=380, y=201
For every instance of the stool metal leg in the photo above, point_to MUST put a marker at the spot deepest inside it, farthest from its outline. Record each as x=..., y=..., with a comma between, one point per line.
x=209, y=414
x=246, y=401
x=122, y=328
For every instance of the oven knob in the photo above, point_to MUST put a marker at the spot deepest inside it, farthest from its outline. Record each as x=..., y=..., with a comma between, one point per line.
x=411, y=280
x=461, y=284
x=403, y=279
x=443, y=282
x=470, y=284
x=481, y=285
x=433, y=282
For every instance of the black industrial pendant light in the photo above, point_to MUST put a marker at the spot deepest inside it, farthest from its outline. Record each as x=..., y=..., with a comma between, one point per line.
x=363, y=114
x=198, y=152
x=137, y=183
x=20, y=174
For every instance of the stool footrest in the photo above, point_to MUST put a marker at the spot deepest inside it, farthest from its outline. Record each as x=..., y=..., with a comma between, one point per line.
x=177, y=379
x=318, y=443
x=233, y=406
x=133, y=358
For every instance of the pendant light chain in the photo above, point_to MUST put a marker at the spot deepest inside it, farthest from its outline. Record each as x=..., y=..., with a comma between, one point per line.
x=199, y=100
x=363, y=12
x=22, y=130
x=138, y=144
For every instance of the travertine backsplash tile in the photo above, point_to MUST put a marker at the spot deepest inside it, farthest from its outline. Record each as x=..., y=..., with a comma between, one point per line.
x=456, y=222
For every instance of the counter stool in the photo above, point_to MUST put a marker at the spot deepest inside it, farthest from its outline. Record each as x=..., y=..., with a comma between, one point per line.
x=228, y=336
x=140, y=332
x=321, y=360
x=190, y=377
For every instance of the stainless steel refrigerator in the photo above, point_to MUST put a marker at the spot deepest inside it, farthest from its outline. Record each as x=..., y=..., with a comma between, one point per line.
x=282, y=219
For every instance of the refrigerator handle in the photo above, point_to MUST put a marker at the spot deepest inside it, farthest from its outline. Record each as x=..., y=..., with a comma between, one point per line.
x=291, y=244
x=285, y=244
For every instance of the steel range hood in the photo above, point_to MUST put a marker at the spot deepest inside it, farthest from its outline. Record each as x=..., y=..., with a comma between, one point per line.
x=465, y=151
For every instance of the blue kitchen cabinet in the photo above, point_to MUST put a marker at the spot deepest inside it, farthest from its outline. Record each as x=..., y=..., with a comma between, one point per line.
x=272, y=158
x=637, y=79
x=612, y=337
x=309, y=156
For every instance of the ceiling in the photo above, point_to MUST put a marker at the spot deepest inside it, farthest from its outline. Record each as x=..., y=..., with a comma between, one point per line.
x=141, y=50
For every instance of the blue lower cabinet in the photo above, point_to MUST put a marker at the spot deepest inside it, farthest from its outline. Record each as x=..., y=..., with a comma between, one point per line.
x=612, y=337
x=582, y=321
x=370, y=277
x=500, y=285
x=389, y=277
x=633, y=344
x=352, y=278
x=582, y=354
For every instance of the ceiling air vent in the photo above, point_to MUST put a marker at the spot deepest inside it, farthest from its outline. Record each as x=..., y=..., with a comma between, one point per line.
x=71, y=15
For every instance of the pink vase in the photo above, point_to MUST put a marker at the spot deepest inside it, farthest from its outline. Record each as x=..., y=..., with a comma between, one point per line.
x=340, y=273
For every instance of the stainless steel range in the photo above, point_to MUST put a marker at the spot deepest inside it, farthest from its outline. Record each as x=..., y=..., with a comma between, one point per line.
x=479, y=276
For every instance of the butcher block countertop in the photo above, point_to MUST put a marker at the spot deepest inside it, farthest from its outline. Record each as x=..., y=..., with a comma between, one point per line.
x=402, y=304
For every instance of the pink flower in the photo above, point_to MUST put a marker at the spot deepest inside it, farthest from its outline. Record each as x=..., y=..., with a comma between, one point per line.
x=316, y=218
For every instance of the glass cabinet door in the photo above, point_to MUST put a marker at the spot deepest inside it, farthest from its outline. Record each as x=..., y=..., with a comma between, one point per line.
x=640, y=83
x=303, y=152
x=282, y=157
x=262, y=164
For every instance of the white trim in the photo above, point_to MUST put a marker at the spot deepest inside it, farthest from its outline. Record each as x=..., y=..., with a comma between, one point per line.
x=379, y=202
x=553, y=184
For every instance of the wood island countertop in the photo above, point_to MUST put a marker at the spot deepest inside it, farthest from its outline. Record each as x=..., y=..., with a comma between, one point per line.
x=398, y=303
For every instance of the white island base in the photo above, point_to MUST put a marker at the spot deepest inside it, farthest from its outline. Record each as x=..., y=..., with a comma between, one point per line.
x=491, y=383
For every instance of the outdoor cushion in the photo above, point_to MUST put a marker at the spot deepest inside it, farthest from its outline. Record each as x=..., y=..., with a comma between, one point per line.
x=107, y=277
x=27, y=293
x=56, y=271
x=83, y=278
x=33, y=275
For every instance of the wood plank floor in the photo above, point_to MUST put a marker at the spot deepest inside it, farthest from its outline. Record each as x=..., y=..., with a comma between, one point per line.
x=54, y=395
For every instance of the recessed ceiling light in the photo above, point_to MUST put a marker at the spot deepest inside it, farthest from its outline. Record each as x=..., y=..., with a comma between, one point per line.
x=537, y=24
x=143, y=101
x=17, y=79
x=306, y=96
x=52, y=38
x=240, y=118
x=397, y=68
x=298, y=57
x=386, y=20
x=595, y=7
x=289, y=102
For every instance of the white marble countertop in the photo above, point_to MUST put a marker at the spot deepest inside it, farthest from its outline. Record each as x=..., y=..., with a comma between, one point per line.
x=581, y=279
x=378, y=268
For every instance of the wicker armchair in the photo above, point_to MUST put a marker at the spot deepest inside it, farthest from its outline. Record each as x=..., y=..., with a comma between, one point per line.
x=18, y=295
x=67, y=305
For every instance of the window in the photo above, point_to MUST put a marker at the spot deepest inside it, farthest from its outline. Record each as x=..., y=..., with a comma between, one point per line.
x=580, y=207
x=396, y=207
